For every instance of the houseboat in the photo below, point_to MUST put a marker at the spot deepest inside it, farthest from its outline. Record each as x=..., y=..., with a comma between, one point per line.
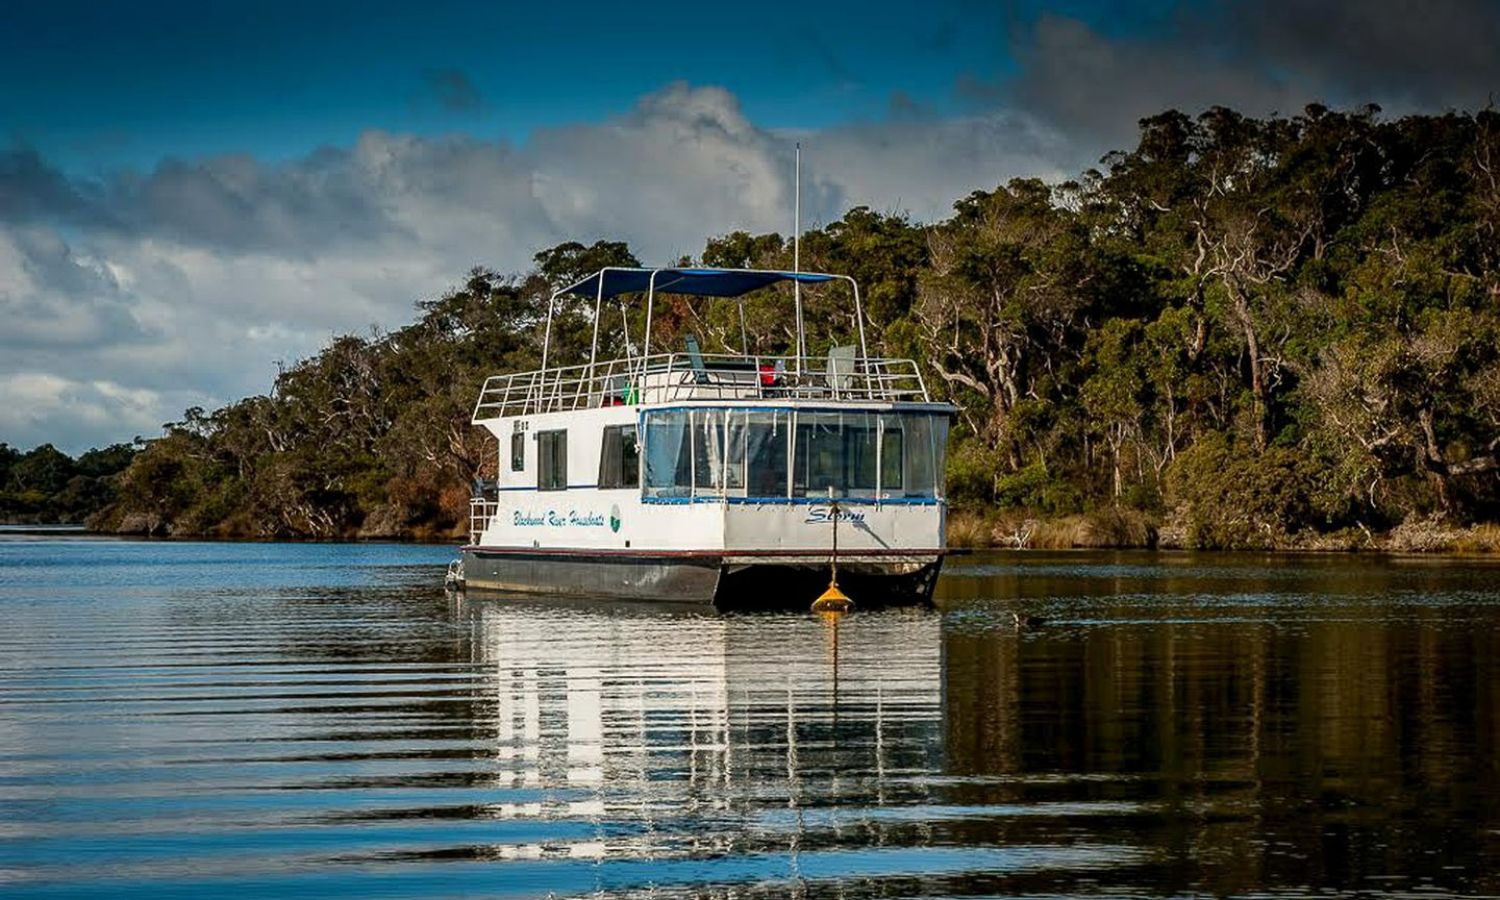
x=685, y=475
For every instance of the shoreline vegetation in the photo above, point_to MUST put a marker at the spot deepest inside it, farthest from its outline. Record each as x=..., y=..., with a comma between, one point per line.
x=1272, y=334
x=1124, y=529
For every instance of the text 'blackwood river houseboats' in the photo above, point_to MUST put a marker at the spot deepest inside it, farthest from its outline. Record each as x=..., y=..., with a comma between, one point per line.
x=695, y=476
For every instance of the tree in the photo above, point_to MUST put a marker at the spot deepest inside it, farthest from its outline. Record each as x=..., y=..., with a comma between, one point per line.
x=1013, y=278
x=45, y=471
x=1114, y=395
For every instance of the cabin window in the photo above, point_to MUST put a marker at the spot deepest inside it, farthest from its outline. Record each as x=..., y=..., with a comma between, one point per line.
x=892, y=451
x=912, y=450
x=835, y=451
x=708, y=452
x=778, y=454
x=552, y=460
x=518, y=451
x=757, y=450
x=620, y=458
x=669, y=454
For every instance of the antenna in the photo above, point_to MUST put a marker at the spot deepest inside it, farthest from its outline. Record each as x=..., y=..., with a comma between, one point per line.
x=797, y=254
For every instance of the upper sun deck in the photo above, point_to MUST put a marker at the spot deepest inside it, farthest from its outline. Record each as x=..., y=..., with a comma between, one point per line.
x=847, y=375
x=689, y=377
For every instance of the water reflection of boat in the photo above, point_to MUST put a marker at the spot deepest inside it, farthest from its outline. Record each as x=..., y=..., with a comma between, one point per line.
x=697, y=476
x=662, y=724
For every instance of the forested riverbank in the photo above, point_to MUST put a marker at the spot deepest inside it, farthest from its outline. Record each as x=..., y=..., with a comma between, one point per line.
x=1270, y=333
x=47, y=486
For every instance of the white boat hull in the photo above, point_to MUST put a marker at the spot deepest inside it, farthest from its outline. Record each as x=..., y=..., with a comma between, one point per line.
x=591, y=574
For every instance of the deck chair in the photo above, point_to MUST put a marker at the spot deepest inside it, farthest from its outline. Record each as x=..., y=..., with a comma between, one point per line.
x=841, y=368
x=695, y=356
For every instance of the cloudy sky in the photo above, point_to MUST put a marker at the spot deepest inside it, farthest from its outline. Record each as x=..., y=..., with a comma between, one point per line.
x=191, y=192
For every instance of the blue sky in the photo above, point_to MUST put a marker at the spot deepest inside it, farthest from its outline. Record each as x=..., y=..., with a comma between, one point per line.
x=102, y=84
x=191, y=192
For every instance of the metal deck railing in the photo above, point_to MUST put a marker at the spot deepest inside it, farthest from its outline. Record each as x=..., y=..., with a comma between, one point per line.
x=673, y=377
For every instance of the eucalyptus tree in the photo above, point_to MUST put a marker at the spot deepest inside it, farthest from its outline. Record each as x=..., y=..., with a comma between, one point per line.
x=1408, y=383
x=1014, y=282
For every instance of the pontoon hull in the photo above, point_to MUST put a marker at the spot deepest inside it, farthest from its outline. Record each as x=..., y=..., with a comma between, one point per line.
x=737, y=581
x=688, y=579
x=869, y=583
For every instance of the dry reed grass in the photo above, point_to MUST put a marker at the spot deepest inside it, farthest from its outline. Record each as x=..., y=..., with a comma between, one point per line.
x=1479, y=539
x=967, y=528
x=1108, y=528
x=1128, y=529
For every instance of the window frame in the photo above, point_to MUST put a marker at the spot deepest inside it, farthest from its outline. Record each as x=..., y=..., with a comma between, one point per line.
x=518, y=451
x=552, y=459
x=629, y=476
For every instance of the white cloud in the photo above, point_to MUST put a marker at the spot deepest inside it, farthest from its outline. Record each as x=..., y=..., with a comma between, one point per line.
x=52, y=296
x=72, y=413
x=873, y=164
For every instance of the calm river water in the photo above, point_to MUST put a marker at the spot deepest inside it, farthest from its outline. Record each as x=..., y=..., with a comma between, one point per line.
x=181, y=719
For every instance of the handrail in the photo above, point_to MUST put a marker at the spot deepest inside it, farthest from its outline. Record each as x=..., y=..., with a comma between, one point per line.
x=672, y=377
x=480, y=513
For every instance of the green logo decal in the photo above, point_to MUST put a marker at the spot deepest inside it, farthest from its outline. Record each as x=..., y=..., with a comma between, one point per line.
x=614, y=518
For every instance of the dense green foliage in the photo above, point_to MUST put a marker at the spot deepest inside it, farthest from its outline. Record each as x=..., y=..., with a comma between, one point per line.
x=1246, y=329
x=48, y=486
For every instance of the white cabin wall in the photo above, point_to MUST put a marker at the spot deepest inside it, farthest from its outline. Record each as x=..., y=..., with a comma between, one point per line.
x=800, y=526
x=585, y=429
x=585, y=517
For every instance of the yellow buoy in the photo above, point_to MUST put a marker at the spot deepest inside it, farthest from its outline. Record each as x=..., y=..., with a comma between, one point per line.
x=833, y=600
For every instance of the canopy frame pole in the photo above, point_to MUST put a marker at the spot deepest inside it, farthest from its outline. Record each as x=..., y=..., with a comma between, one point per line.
x=594, y=345
x=859, y=316
x=547, y=332
x=797, y=256
x=625, y=327
x=646, y=342
x=546, y=346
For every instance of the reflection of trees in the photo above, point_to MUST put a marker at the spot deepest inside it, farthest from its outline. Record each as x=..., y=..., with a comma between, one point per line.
x=1253, y=754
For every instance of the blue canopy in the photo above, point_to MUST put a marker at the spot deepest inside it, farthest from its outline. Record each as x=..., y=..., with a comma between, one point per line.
x=699, y=282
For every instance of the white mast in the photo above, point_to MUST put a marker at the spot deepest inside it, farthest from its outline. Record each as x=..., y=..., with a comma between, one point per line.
x=797, y=253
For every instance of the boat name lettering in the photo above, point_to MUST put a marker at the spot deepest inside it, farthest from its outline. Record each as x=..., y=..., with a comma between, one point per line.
x=822, y=515
x=572, y=518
